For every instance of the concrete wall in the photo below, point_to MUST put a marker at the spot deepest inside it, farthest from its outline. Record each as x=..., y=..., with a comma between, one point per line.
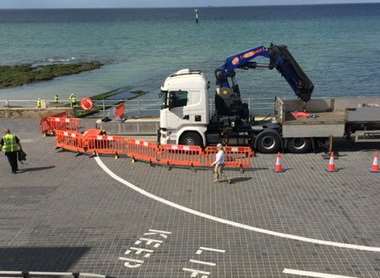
x=32, y=112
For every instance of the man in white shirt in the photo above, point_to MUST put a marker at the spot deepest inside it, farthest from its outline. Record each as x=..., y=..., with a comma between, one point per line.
x=219, y=164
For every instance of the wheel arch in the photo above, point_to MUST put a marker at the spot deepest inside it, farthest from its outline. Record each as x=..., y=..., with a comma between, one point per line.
x=199, y=130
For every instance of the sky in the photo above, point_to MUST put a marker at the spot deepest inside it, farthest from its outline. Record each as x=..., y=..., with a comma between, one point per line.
x=25, y=4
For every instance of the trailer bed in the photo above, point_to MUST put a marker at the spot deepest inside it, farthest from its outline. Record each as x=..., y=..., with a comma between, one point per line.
x=320, y=118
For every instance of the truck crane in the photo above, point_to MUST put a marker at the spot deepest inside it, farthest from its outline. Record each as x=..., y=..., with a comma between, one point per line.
x=185, y=116
x=227, y=99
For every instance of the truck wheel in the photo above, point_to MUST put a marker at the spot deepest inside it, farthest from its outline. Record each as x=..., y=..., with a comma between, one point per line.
x=191, y=138
x=299, y=145
x=268, y=141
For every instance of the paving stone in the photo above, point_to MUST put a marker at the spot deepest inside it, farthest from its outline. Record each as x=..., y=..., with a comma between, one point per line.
x=64, y=213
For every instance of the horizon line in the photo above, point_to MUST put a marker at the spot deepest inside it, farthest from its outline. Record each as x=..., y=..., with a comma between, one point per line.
x=186, y=7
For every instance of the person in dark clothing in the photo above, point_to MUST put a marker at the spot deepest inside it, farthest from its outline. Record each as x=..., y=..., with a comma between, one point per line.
x=10, y=145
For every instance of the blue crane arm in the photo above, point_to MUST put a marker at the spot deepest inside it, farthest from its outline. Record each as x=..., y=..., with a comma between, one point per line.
x=243, y=59
x=280, y=58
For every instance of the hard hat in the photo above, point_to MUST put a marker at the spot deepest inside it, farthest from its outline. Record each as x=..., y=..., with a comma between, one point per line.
x=219, y=146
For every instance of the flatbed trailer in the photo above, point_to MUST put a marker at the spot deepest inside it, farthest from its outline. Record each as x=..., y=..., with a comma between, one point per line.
x=356, y=118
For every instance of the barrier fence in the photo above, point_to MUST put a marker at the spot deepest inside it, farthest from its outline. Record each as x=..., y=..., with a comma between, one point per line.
x=70, y=140
x=49, y=125
x=94, y=143
x=143, y=151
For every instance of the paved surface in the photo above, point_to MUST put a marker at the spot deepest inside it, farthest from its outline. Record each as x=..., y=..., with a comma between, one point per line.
x=64, y=213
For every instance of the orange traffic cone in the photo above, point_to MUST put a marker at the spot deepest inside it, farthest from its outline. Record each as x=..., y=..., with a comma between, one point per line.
x=375, y=168
x=331, y=167
x=278, y=168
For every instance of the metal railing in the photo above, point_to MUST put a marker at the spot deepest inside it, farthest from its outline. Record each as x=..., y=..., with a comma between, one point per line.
x=28, y=103
x=28, y=274
x=138, y=107
x=134, y=107
x=151, y=106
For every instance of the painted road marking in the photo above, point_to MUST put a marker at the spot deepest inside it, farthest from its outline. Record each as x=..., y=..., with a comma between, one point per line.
x=202, y=262
x=313, y=274
x=196, y=273
x=203, y=273
x=209, y=249
x=143, y=252
x=232, y=223
x=128, y=261
x=160, y=232
x=139, y=251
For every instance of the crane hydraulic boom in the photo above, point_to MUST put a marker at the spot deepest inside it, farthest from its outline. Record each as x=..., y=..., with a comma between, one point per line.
x=228, y=101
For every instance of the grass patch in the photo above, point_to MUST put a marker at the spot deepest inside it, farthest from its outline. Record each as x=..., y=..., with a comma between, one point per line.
x=18, y=75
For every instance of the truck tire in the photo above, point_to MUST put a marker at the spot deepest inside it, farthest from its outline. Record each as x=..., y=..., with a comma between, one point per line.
x=191, y=138
x=299, y=145
x=268, y=141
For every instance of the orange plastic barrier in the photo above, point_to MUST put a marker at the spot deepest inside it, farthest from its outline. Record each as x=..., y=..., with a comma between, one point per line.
x=44, y=121
x=50, y=125
x=69, y=140
x=235, y=157
x=105, y=144
x=94, y=142
x=179, y=155
x=143, y=151
x=45, y=127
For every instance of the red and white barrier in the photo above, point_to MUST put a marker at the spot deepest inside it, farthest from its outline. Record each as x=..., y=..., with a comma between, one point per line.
x=94, y=142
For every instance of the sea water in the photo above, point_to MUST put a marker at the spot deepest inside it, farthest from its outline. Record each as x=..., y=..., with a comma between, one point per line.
x=338, y=46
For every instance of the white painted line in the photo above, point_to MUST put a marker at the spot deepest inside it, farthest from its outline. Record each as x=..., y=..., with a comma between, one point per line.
x=212, y=249
x=139, y=250
x=232, y=223
x=202, y=262
x=195, y=272
x=131, y=260
x=313, y=274
x=149, y=240
x=160, y=232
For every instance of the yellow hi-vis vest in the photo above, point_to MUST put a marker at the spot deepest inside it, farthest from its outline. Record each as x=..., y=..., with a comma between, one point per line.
x=10, y=144
x=73, y=98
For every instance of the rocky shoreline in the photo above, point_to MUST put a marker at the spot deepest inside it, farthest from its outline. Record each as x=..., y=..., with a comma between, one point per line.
x=18, y=75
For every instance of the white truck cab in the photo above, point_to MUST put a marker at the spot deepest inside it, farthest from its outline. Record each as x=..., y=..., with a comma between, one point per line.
x=184, y=113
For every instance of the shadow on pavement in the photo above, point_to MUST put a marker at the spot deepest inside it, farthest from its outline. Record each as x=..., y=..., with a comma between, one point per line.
x=40, y=258
x=33, y=169
x=239, y=179
x=348, y=146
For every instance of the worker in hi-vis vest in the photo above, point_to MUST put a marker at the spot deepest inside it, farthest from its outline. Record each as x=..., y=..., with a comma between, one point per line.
x=73, y=100
x=39, y=103
x=10, y=145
